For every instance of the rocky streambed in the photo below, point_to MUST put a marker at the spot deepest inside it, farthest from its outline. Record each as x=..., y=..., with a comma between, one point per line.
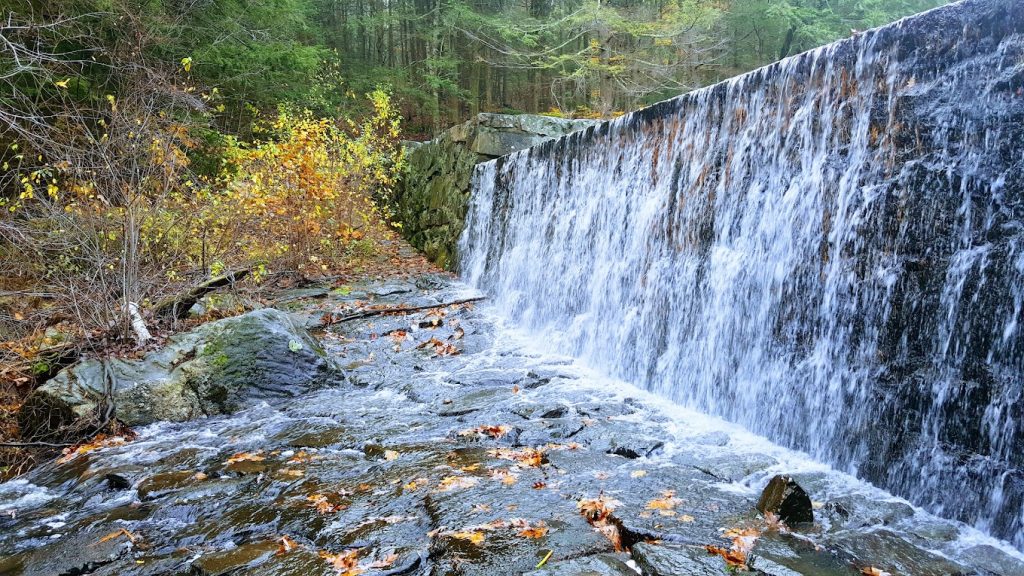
x=443, y=442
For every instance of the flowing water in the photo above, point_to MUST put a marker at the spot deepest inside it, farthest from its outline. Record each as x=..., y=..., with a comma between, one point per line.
x=828, y=251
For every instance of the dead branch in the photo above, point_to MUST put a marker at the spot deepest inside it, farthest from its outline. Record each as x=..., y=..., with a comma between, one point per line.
x=330, y=319
x=177, y=306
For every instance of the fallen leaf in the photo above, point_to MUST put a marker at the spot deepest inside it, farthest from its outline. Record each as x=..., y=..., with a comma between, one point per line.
x=872, y=571
x=492, y=431
x=474, y=537
x=539, y=485
x=507, y=477
x=97, y=442
x=346, y=563
x=638, y=473
x=733, y=558
x=449, y=483
x=245, y=457
x=323, y=504
x=598, y=508
x=115, y=534
x=287, y=545
x=598, y=512
x=534, y=532
x=527, y=456
x=390, y=454
x=668, y=501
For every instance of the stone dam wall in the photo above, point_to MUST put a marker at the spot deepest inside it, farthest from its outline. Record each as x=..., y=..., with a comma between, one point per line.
x=433, y=194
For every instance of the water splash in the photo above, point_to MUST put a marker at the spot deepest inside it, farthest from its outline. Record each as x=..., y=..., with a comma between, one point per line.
x=827, y=250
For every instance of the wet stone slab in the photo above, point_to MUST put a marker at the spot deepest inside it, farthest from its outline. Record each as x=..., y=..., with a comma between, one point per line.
x=454, y=448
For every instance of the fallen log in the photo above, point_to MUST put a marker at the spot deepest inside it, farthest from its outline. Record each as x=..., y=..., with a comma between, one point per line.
x=330, y=319
x=177, y=306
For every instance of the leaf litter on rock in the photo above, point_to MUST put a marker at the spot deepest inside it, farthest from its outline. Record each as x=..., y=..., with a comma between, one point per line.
x=494, y=431
x=599, y=513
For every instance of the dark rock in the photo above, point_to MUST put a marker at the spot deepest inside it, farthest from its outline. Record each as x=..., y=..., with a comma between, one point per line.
x=766, y=567
x=634, y=447
x=541, y=410
x=549, y=430
x=785, y=498
x=596, y=565
x=676, y=560
x=82, y=552
x=234, y=558
x=117, y=482
x=887, y=551
x=994, y=560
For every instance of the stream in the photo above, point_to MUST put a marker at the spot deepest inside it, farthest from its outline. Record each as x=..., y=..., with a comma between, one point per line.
x=470, y=454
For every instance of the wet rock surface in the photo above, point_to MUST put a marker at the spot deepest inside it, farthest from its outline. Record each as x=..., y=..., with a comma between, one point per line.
x=457, y=448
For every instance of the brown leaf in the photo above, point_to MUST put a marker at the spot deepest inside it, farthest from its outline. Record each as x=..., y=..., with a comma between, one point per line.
x=493, y=431
x=733, y=558
x=449, y=483
x=527, y=456
x=115, y=534
x=346, y=563
x=506, y=476
x=598, y=512
x=97, y=442
x=287, y=545
x=475, y=537
x=323, y=504
x=668, y=501
x=245, y=457
x=534, y=532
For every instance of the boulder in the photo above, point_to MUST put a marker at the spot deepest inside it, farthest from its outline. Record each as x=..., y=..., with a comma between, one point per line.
x=785, y=498
x=218, y=368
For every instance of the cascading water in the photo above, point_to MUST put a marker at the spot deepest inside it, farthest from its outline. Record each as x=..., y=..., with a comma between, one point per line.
x=829, y=250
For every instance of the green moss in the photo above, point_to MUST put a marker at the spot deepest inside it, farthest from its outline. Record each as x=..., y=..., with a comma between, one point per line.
x=213, y=352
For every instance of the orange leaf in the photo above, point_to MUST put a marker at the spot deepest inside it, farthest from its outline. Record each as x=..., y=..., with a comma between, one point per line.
x=534, y=532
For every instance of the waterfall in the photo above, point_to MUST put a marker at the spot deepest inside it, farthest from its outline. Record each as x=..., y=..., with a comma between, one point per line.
x=828, y=251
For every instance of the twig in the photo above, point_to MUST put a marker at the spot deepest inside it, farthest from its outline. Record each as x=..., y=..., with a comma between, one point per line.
x=32, y=444
x=331, y=320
